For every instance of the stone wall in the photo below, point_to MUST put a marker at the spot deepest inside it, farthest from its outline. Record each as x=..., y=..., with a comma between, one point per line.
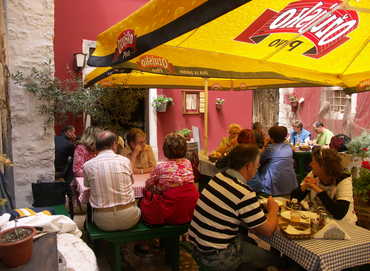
x=30, y=33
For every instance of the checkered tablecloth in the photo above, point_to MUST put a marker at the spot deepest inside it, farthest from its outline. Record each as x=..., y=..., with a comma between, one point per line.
x=327, y=255
x=139, y=184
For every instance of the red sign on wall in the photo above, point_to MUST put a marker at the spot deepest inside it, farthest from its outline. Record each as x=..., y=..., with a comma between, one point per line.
x=322, y=22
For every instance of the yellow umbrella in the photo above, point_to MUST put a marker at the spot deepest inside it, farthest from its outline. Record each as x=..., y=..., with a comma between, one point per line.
x=239, y=44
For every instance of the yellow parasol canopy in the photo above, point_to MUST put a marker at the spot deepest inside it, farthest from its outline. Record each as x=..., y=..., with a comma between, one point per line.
x=238, y=44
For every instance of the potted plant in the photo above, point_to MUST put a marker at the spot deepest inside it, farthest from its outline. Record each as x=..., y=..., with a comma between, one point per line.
x=359, y=148
x=219, y=103
x=361, y=185
x=185, y=133
x=161, y=102
x=15, y=243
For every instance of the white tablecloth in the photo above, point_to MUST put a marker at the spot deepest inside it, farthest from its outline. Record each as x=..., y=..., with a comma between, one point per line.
x=84, y=192
x=207, y=167
x=326, y=255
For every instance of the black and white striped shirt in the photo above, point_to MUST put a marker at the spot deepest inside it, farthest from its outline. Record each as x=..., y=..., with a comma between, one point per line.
x=223, y=205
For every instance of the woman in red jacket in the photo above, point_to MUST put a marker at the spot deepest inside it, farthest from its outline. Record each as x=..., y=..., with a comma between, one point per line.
x=170, y=195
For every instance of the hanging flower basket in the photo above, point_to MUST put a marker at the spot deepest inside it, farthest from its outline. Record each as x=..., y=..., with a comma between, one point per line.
x=162, y=107
x=161, y=102
x=219, y=103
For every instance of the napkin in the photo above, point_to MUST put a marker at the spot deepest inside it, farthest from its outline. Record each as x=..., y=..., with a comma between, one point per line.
x=332, y=230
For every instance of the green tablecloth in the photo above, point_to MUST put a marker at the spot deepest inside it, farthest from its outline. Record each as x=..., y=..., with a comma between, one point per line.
x=303, y=160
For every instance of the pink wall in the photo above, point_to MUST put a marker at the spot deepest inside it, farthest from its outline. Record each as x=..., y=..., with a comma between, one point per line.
x=309, y=112
x=309, y=109
x=236, y=109
x=84, y=19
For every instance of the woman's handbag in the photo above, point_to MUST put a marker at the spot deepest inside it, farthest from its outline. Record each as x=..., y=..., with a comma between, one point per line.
x=173, y=206
x=47, y=194
x=152, y=208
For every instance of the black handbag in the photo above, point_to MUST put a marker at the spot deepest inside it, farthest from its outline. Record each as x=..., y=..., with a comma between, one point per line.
x=47, y=194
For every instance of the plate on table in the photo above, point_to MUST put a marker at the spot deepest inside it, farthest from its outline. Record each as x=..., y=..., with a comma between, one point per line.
x=305, y=216
x=296, y=232
x=279, y=201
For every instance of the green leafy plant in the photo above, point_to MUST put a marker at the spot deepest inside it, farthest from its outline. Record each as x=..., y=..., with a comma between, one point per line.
x=161, y=100
x=112, y=108
x=361, y=185
x=220, y=101
x=184, y=132
x=360, y=146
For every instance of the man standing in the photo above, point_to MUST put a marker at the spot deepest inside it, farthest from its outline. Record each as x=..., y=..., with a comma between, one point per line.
x=323, y=135
x=226, y=204
x=109, y=176
x=64, y=149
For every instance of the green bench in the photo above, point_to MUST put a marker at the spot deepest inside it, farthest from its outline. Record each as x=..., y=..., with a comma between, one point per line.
x=60, y=210
x=169, y=235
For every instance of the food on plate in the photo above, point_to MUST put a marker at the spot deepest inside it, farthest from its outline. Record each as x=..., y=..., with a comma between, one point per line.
x=299, y=217
x=304, y=147
x=295, y=230
x=279, y=201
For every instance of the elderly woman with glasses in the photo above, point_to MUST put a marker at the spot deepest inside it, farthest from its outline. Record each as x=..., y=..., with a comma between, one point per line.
x=229, y=142
x=328, y=186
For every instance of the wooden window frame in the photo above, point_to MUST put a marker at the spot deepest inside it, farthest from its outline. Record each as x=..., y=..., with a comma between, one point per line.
x=187, y=108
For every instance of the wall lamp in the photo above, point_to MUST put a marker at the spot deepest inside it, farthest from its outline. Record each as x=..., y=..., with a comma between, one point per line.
x=78, y=61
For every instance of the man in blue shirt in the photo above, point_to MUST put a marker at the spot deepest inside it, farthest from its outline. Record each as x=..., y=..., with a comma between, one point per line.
x=299, y=135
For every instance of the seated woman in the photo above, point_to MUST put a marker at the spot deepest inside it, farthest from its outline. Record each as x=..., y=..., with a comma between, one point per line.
x=140, y=154
x=328, y=185
x=276, y=172
x=173, y=180
x=85, y=150
x=229, y=142
x=246, y=136
x=259, y=135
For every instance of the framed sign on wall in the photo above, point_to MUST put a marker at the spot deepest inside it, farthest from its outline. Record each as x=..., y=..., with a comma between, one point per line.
x=191, y=102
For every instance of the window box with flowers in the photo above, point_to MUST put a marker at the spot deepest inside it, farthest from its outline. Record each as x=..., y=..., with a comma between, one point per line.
x=219, y=103
x=161, y=102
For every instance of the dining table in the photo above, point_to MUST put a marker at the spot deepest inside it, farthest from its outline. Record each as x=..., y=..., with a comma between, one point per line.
x=325, y=254
x=83, y=192
x=302, y=166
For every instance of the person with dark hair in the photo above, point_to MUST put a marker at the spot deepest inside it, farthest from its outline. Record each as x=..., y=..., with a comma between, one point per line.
x=323, y=135
x=246, y=136
x=64, y=149
x=109, y=177
x=276, y=173
x=140, y=154
x=174, y=180
x=299, y=134
x=259, y=134
x=338, y=142
x=328, y=185
x=225, y=205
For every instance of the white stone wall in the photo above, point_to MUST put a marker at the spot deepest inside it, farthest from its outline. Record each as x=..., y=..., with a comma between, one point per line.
x=285, y=109
x=30, y=32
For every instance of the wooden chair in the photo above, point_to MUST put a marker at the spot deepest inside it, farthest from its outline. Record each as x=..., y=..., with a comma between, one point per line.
x=169, y=235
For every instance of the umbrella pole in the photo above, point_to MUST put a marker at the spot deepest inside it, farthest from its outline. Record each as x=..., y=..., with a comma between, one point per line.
x=206, y=116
